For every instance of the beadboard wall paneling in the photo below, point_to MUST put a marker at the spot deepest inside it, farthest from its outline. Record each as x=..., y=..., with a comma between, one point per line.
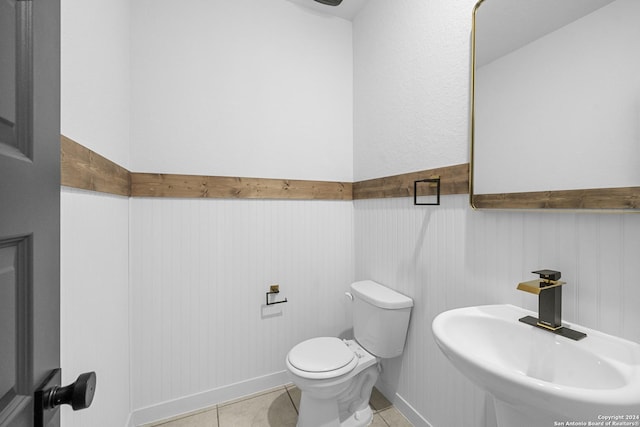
x=199, y=272
x=94, y=302
x=451, y=256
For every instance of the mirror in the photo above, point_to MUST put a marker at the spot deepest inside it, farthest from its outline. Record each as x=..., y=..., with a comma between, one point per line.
x=556, y=104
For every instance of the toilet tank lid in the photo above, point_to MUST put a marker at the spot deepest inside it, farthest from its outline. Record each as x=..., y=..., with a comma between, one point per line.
x=379, y=295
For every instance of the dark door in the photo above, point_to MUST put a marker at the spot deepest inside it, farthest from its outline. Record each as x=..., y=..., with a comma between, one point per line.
x=29, y=204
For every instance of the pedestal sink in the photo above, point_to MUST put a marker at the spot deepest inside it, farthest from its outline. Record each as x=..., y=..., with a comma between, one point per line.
x=537, y=378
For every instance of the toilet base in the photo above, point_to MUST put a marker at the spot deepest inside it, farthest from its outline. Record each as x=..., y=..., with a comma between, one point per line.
x=324, y=413
x=360, y=418
x=317, y=412
x=342, y=401
x=349, y=409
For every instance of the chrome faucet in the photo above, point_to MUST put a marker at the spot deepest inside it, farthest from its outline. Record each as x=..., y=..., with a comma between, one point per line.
x=549, y=290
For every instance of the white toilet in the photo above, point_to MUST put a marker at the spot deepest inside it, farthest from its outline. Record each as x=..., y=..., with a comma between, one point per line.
x=336, y=376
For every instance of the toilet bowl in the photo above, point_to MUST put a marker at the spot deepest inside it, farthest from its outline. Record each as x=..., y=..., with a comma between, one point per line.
x=336, y=376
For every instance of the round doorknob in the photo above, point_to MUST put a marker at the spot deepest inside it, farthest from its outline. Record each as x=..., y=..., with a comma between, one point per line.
x=78, y=394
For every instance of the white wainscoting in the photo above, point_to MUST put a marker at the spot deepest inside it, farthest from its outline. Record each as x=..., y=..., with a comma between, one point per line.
x=94, y=306
x=199, y=272
x=451, y=256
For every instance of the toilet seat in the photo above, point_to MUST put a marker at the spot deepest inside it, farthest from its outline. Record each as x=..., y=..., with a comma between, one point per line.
x=321, y=358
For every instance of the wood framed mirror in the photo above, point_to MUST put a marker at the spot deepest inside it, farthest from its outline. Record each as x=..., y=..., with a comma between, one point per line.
x=555, y=110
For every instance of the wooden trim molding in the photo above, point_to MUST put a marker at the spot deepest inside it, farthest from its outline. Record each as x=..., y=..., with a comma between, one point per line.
x=594, y=198
x=169, y=185
x=453, y=180
x=85, y=169
x=82, y=168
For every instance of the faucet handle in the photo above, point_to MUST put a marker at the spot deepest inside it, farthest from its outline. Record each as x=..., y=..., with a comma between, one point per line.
x=547, y=274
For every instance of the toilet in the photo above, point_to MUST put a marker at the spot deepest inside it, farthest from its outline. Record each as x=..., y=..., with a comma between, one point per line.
x=336, y=376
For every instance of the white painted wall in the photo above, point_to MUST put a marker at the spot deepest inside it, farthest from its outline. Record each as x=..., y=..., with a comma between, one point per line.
x=411, y=85
x=96, y=89
x=450, y=256
x=581, y=115
x=259, y=88
x=199, y=272
x=95, y=227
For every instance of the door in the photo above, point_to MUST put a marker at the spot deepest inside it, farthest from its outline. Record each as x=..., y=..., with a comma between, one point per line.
x=29, y=204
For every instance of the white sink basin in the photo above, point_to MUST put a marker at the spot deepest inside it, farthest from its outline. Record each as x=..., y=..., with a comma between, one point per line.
x=535, y=376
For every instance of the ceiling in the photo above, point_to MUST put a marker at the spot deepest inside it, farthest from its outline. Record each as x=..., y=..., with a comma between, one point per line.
x=348, y=9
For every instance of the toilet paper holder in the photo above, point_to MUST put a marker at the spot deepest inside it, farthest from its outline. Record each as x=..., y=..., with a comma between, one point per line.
x=274, y=289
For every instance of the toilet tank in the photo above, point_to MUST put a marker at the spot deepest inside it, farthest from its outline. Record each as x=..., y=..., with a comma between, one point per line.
x=380, y=318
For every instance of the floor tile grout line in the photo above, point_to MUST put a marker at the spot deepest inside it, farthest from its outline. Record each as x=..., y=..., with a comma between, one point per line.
x=292, y=402
x=384, y=420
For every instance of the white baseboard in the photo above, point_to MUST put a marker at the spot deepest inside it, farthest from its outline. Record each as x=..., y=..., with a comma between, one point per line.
x=205, y=399
x=195, y=402
x=403, y=406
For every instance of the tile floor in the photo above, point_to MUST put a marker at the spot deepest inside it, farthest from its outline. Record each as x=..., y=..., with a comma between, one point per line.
x=276, y=407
